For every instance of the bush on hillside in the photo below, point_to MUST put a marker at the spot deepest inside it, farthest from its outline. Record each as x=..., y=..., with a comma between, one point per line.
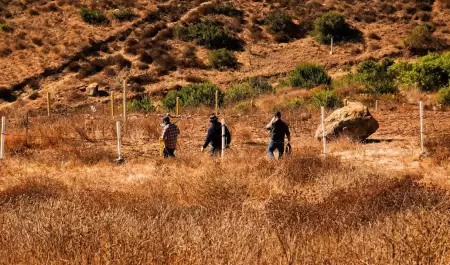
x=281, y=25
x=123, y=14
x=421, y=40
x=429, y=73
x=222, y=59
x=5, y=27
x=227, y=9
x=375, y=76
x=193, y=95
x=260, y=85
x=239, y=92
x=93, y=16
x=330, y=25
x=444, y=96
x=309, y=75
x=208, y=33
x=143, y=104
x=327, y=98
x=295, y=103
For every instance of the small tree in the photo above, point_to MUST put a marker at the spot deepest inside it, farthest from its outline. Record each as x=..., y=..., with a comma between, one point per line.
x=331, y=25
x=421, y=40
x=222, y=59
x=309, y=75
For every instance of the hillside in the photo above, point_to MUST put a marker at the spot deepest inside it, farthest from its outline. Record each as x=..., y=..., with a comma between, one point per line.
x=48, y=46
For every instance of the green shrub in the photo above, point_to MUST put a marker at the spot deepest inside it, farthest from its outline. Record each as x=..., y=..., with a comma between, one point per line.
x=123, y=14
x=327, y=98
x=193, y=95
x=239, y=92
x=330, y=25
x=140, y=104
x=429, y=73
x=295, y=103
x=444, y=96
x=93, y=16
x=208, y=33
x=260, y=85
x=309, y=75
x=227, y=9
x=421, y=40
x=221, y=59
x=376, y=77
x=5, y=27
x=278, y=22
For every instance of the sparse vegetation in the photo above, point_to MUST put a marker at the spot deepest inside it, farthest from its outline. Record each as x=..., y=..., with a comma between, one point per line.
x=308, y=76
x=91, y=16
x=222, y=59
x=193, y=95
x=239, y=92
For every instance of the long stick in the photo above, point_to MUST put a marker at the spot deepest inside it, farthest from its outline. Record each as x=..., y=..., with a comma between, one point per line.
x=178, y=106
x=119, y=143
x=2, y=140
x=48, y=103
x=223, y=138
x=421, y=126
x=324, y=139
x=125, y=105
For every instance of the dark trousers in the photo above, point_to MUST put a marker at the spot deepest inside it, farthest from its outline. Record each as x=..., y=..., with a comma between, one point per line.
x=169, y=152
x=275, y=146
x=215, y=151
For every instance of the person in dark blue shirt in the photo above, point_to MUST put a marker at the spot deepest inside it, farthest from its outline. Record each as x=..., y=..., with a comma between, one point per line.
x=214, y=136
x=278, y=131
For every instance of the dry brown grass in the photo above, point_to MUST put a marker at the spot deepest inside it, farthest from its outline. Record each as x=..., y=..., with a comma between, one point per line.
x=198, y=211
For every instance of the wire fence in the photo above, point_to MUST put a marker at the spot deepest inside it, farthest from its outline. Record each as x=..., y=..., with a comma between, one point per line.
x=99, y=127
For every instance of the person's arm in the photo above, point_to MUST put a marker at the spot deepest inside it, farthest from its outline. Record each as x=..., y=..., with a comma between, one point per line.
x=164, y=133
x=209, y=137
x=269, y=126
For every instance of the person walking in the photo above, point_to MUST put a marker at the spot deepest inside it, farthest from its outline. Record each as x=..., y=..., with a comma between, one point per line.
x=169, y=136
x=214, y=136
x=278, y=131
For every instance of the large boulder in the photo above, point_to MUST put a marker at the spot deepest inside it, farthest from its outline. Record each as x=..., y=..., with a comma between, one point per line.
x=92, y=89
x=353, y=121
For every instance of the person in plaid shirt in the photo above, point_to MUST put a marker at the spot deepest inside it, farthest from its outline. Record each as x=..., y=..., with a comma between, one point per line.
x=169, y=136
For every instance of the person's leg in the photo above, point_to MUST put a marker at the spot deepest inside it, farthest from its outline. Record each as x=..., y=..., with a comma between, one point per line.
x=171, y=152
x=280, y=147
x=166, y=153
x=214, y=151
x=270, y=150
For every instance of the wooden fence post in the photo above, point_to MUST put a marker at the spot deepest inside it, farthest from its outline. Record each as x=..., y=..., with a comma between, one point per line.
x=178, y=106
x=324, y=139
x=125, y=105
x=119, y=142
x=217, y=102
x=2, y=140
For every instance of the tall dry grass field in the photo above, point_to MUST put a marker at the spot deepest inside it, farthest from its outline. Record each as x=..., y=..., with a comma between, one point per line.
x=65, y=202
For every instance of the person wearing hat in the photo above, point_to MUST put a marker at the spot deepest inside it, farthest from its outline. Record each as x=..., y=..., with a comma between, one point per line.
x=214, y=136
x=278, y=131
x=169, y=136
